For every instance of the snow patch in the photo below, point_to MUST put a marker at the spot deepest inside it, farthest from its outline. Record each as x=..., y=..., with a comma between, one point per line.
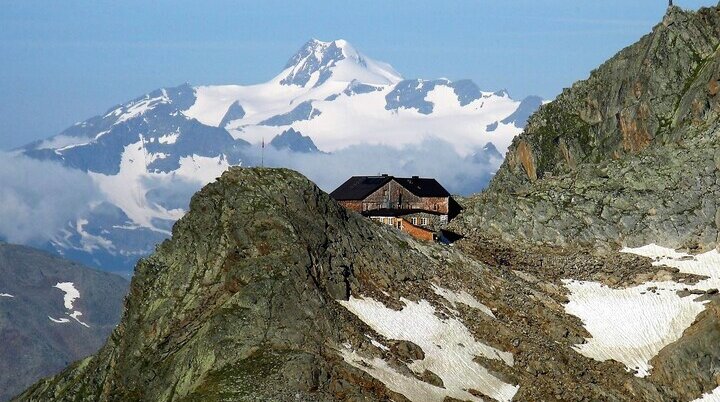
x=449, y=349
x=60, y=141
x=100, y=134
x=632, y=325
x=169, y=138
x=444, y=100
x=713, y=396
x=90, y=242
x=202, y=168
x=71, y=294
x=59, y=151
x=76, y=316
x=706, y=264
x=376, y=343
x=136, y=109
x=462, y=297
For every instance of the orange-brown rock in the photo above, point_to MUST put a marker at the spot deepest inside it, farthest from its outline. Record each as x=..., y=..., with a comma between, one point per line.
x=713, y=87
x=635, y=135
x=525, y=155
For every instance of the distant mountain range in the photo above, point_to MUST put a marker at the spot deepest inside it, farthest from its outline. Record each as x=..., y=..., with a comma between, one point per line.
x=149, y=155
x=52, y=312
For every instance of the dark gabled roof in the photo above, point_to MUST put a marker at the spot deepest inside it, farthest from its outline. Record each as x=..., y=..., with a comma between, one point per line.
x=423, y=187
x=359, y=187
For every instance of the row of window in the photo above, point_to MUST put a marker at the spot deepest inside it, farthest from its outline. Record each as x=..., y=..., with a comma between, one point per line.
x=423, y=221
x=413, y=220
x=367, y=206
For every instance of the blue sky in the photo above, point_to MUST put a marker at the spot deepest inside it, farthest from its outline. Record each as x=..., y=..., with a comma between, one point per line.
x=66, y=61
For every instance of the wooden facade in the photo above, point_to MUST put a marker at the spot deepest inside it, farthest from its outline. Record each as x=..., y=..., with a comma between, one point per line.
x=418, y=206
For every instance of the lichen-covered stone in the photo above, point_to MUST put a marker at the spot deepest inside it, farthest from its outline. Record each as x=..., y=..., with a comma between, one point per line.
x=628, y=156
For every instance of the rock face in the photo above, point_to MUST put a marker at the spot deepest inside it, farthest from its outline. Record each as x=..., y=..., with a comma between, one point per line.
x=240, y=300
x=269, y=290
x=628, y=155
x=40, y=330
x=294, y=141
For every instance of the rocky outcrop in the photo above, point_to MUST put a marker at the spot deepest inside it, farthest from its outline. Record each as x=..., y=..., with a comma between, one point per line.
x=269, y=290
x=239, y=303
x=627, y=156
x=666, y=195
x=689, y=366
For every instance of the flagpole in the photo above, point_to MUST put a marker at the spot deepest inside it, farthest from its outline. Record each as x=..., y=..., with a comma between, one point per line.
x=262, y=153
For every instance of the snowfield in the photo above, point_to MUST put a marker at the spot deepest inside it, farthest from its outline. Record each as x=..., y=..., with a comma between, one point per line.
x=345, y=116
x=632, y=325
x=449, y=349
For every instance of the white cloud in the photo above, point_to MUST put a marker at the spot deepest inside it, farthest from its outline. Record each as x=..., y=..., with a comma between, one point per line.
x=38, y=198
x=431, y=158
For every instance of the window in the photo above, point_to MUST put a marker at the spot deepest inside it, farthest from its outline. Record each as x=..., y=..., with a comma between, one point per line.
x=413, y=221
x=424, y=221
x=392, y=221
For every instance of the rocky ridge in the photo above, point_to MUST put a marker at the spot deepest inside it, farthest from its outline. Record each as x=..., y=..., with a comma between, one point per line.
x=260, y=295
x=628, y=156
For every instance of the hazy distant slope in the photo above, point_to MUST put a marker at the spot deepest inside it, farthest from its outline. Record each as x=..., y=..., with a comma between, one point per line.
x=39, y=334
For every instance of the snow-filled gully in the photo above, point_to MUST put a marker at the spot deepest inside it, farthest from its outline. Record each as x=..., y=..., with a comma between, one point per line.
x=632, y=325
x=71, y=294
x=449, y=348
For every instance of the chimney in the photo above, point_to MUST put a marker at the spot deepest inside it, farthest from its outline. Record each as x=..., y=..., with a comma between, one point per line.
x=384, y=175
x=416, y=177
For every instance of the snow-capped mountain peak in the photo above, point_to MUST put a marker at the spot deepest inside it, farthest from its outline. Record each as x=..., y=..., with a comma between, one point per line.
x=317, y=62
x=147, y=156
